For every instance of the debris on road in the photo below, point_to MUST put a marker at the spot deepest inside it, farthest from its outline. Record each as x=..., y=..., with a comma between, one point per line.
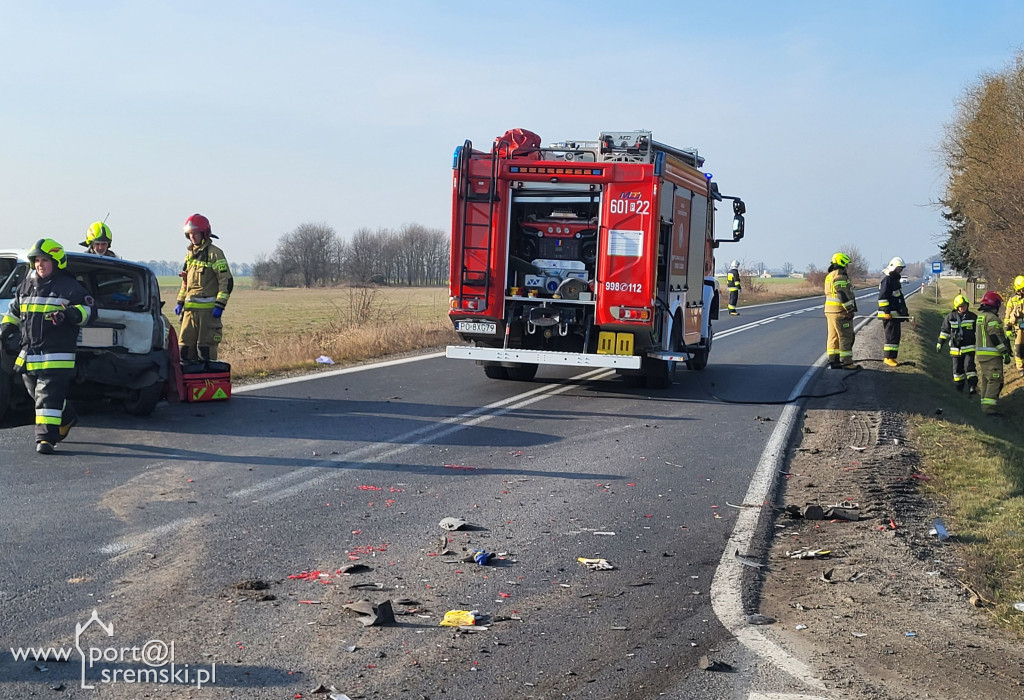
x=759, y=619
x=939, y=530
x=808, y=553
x=707, y=664
x=452, y=524
x=748, y=561
x=595, y=564
x=459, y=618
x=372, y=615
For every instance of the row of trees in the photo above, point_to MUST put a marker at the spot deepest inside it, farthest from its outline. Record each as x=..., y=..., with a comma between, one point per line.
x=314, y=255
x=170, y=268
x=984, y=196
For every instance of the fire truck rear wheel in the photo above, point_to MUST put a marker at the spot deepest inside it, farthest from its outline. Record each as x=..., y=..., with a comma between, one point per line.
x=658, y=374
x=522, y=373
x=496, y=372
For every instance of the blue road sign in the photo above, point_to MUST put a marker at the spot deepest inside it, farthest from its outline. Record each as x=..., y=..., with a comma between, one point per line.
x=937, y=266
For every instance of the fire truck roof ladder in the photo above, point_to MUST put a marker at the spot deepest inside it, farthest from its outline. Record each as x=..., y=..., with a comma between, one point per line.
x=475, y=254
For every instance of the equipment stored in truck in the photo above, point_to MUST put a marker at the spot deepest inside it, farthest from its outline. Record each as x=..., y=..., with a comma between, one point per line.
x=584, y=253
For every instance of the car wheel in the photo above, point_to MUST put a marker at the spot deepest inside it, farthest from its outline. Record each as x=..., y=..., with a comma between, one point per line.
x=141, y=402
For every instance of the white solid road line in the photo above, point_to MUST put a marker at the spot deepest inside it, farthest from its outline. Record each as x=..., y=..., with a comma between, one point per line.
x=375, y=453
x=726, y=586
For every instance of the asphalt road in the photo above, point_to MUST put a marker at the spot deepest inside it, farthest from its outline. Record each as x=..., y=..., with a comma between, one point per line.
x=153, y=522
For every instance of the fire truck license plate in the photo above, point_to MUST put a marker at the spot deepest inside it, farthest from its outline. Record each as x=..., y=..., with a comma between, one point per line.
x=484, y=327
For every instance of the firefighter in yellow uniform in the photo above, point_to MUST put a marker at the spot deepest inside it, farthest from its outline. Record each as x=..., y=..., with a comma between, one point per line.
x=840, y=308
x=1014, y=322
x=732, y=281
x=206, y=284
x=991, y=352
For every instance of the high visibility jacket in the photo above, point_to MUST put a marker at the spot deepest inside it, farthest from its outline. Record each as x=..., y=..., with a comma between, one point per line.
x=45, y=345
x=1014, y=313
x=958, y=329
x=991, y=340
x=732, y=280
x=890, y=297
x=839, y=297
x=206, y=279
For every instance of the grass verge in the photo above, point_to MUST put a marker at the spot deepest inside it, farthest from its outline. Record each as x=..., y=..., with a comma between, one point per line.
x=277, y=331
x=976, y=462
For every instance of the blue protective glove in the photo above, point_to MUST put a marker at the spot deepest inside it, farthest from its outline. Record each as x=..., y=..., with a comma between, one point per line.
x=179, y=309
x=217, y=312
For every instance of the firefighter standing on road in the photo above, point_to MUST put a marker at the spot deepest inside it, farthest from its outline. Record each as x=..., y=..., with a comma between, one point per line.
x=840, y=307
x=98, y=239
x=206, y=284
x=892, y=304
x=991, y=352
x=732, y=280
x=48, y=308
x=958, y=328
x=1013, y=321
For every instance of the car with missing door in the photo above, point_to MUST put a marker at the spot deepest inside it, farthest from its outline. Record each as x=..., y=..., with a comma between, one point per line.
x=123, y=355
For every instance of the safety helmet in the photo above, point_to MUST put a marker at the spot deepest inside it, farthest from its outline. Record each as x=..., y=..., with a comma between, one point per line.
x=991, y=299
x=893, y=264
x=198, y=222
x=960, y=300
x=97, y=231
x=1018, y=283
x=51, y=249
x=841, y=259
x=734, y=263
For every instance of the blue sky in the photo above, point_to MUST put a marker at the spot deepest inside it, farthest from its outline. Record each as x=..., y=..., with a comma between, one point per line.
x=825, y=117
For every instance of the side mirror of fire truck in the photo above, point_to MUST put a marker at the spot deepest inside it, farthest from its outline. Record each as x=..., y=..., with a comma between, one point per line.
x=738, y=210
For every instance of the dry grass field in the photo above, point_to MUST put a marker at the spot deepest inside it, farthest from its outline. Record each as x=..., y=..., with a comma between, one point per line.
x=268, y=331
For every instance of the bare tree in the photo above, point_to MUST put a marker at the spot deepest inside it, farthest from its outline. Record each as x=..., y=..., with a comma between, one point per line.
x=857, y=268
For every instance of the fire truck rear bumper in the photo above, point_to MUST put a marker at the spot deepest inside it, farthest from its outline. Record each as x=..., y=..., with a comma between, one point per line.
x=542, y=357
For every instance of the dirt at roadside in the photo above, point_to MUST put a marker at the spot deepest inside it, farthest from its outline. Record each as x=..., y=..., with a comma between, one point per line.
x=892, y=621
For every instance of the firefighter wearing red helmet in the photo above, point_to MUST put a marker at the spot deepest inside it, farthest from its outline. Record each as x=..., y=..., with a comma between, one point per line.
x=206, y=284
x=991, y=352
x=48, y=309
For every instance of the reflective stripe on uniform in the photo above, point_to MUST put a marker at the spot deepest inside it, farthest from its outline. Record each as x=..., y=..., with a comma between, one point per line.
x=53, y=360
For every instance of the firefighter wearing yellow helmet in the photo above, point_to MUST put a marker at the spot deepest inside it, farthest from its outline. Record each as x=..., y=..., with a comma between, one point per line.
x=1013, y=322
x=98, y=239
x=48, y=309
x=958, y=329
x=840, y=308
x=206, y=284
x=892, y=309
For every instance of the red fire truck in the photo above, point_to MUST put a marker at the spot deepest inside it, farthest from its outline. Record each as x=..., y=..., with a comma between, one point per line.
x=584, y=253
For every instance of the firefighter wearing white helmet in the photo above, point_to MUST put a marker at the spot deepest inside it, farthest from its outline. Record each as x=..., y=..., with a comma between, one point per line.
x=48, y=309
x=892, y=309
x=206, y=284
x=732, y=281
x=840, y=308
x=958, y=329
x=1013, y=322
x=98, y=240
